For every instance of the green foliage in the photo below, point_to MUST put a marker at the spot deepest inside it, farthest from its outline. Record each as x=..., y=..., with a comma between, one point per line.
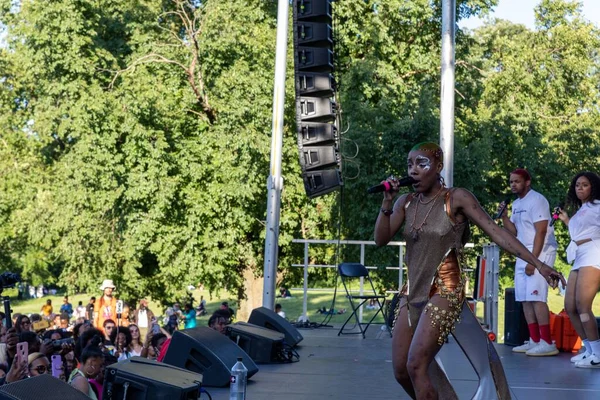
x=135, y=136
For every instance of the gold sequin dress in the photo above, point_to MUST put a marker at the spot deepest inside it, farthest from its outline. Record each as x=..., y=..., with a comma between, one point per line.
x=432, y=258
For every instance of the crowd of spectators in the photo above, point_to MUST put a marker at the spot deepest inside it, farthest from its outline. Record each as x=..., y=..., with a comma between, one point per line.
x=77, y=344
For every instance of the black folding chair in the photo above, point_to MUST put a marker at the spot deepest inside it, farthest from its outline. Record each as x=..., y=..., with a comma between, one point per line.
x=350, y=273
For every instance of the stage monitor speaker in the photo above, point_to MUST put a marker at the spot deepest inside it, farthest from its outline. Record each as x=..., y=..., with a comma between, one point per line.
x=264, y=317
x=516, y=331
x=39, y=387
x=263, y=345
x=141, y=379
x=207, y=352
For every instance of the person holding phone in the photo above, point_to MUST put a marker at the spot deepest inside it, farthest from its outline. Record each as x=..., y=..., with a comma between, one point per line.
x=583, y=201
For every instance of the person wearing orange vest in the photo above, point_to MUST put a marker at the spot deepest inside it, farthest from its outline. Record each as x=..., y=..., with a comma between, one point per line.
x=106, y=305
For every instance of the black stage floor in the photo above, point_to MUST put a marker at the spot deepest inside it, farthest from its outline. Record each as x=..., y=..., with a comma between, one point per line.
x=349, y=367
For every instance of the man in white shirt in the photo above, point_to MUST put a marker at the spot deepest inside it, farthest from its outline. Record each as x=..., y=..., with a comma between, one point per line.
x=530, y=223
x=143, y=318
x=279, y=311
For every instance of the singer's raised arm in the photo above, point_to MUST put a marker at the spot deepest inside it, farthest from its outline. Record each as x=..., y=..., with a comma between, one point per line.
x=465, y=202
x=388, y=223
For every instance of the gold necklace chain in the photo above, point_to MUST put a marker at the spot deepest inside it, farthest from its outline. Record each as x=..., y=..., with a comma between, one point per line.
x=415, y=230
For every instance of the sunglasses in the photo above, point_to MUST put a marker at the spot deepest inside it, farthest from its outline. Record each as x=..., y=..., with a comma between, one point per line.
x=41, y=369
x=25, y=322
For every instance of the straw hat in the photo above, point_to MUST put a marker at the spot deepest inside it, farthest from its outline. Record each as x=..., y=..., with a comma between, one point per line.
x=107, y=283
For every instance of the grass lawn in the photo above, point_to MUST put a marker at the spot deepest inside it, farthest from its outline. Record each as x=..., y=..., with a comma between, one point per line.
x=317, y=299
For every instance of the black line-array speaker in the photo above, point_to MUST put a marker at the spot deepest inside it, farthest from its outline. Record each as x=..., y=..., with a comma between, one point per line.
x=263, y=345
x=39, y=387
x=141, y=379
x=316, y=109
x=267, y=318
x=516, y=331
x=208, y=352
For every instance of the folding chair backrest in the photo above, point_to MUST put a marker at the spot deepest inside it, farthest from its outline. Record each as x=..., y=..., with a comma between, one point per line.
x=353, y=270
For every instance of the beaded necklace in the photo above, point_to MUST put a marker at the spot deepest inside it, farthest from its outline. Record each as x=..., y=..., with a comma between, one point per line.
x=414, y=229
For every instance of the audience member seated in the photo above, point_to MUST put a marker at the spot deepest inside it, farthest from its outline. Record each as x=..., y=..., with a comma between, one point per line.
x=331, y=311
x=279, y=310
x=92, y=361
x=284, y=293
x=219, y=320
x=121, y=340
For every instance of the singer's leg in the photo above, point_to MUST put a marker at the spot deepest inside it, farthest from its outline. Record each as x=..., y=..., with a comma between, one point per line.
x=401, y=339
x=587, y=287
x=424, y=347
x=571, y=305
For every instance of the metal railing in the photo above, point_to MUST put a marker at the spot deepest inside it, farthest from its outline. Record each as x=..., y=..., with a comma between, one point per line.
x=362, y=244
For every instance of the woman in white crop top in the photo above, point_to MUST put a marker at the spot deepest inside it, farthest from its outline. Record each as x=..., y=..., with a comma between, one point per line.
x=584, y=250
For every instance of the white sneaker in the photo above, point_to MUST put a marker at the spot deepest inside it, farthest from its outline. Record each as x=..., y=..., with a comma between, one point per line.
x=529, y=344
x=581, y=356
x=543, y=349
x=592, y=361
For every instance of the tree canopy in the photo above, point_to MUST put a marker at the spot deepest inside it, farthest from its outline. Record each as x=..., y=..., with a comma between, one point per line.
x=135, y=136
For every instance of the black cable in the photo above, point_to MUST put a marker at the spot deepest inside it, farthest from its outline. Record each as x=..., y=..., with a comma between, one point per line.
x=202, y=390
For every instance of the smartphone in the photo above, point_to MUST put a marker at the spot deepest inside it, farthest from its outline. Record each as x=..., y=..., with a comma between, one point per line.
x=22, y=352
x=57, y=366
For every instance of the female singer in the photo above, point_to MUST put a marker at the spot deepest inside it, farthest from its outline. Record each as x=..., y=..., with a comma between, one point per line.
x=435, y=222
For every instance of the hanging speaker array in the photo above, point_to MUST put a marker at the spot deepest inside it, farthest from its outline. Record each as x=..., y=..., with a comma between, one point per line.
x=316, y=109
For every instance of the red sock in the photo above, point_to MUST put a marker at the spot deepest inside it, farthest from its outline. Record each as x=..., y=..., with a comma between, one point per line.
x=545, y=333
x=534, y=332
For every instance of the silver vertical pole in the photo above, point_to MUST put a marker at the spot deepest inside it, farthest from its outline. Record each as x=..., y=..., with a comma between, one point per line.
x=447, y=93
x=275, y=181
x=362, y=280
x=305, y=285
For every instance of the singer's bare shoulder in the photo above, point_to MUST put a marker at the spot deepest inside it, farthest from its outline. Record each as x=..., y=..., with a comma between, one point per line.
x=402, y=201
x=464, y=199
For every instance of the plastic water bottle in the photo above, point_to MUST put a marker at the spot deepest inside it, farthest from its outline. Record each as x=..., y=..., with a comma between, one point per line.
x=237, y=382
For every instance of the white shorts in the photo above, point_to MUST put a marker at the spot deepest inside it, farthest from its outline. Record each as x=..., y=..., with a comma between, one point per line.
x=533, y=287
x=588, y=255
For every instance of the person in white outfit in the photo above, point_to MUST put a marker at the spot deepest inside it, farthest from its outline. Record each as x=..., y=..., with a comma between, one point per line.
x=584, y=252
x=530, y=222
